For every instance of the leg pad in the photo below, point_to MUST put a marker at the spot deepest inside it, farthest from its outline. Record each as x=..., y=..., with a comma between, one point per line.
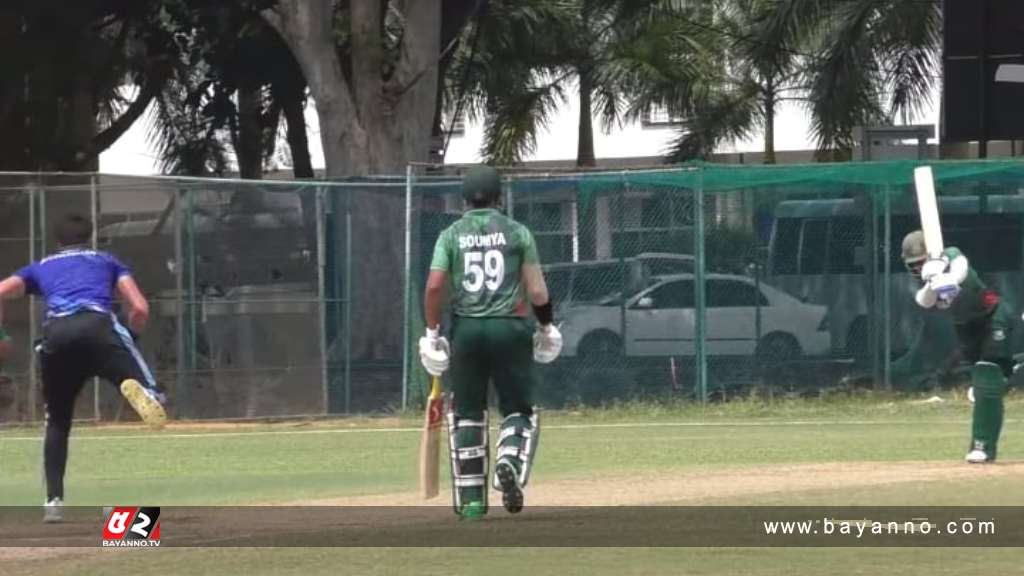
x=517, y=444
x=468, y=455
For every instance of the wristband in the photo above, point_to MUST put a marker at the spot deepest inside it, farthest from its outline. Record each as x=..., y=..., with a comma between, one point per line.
x=544, y=314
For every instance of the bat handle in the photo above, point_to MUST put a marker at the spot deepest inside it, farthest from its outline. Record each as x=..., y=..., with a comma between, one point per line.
x=435, y=387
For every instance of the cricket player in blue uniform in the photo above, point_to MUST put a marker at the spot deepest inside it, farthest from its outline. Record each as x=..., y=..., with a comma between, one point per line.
x=82, y=338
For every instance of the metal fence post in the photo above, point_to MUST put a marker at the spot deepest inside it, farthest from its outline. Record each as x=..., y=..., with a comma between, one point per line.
x=624, y=282
x=873, y=320
x=179, y=301
x=33, y=375
x=43, y=231
x=407, y=287
x=94, y=215
x=321, y=295
x=348, y=302
x=700, y=362
x=887, y=289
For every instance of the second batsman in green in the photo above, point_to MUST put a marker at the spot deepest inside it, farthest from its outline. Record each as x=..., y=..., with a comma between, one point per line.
x=982, y=323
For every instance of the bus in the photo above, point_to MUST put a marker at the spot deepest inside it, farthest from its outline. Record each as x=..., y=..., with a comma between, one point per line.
x=829, y=252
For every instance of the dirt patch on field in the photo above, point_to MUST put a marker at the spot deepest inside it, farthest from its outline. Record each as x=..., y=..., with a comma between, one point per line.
x=568, y=511
x=700, y=487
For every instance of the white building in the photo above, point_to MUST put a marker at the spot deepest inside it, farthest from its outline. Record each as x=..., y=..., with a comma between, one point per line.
x=645, y=142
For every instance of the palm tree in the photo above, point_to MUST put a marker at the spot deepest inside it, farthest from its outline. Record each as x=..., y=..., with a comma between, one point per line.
x=761, y=70
x=235, y=83
x=498, y=74
x=526, y=57
x=873, y=60
x=61, y=102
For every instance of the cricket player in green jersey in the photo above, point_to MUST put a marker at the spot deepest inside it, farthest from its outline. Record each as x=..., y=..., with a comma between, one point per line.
x=487, y=263
x=982, y=323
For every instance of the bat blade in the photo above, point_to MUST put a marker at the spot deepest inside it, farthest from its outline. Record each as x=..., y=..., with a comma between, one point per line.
x=928, y=207
x=430, y=447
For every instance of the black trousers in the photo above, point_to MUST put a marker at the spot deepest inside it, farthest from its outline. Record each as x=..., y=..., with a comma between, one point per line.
x=74, y=349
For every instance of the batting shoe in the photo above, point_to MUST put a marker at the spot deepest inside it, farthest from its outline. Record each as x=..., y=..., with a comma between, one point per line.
x=511, y=493
x=473, y=510
x=144, y=402
x=977, y=456
x=53, y=511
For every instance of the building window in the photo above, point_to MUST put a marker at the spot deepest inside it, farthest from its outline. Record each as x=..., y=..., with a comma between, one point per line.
x=657, y=222
x=550, y=223
x=659, y=117
x=458, y=127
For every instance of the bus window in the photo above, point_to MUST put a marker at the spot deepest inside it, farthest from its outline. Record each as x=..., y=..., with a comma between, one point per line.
x=846, y=235
x=990, y=241
x=899, y=226
x=814, y=247
x=786, y=246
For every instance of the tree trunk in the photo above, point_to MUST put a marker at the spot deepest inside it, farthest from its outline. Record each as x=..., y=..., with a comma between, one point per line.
x=585, y=148
x=249, y=149
x=398, y=112
x=293, y=106
x=769, y=123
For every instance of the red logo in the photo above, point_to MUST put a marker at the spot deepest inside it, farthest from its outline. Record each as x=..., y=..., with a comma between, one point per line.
x=989, y=299
x=436, y=413
x=131, y=526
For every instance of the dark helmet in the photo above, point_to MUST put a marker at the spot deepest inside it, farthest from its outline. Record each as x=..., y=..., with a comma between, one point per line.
x=481, y=185
x=914, y=250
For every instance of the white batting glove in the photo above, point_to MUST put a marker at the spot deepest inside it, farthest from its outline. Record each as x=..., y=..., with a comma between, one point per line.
x=435, y=354
x=945, y=287
x=932, y=268
x=547, y=344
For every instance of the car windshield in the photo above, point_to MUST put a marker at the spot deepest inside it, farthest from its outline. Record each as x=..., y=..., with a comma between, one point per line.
x=610, y=299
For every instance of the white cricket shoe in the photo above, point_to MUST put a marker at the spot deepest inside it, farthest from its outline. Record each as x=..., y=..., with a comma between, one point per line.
x=53, y=511
x=976, y=456
x=145, y=402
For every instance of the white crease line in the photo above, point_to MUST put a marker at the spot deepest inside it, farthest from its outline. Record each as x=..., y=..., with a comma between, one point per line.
x=595, y=426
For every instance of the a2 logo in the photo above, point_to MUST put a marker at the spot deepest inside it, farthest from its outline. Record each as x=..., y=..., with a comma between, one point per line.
x=131, y=526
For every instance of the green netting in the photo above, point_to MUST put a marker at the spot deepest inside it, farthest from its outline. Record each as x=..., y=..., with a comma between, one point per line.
x=695, y=282
x=718, y=177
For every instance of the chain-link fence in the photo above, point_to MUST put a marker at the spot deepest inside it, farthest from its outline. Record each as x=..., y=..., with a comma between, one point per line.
x=709, y=282
x=273, y=299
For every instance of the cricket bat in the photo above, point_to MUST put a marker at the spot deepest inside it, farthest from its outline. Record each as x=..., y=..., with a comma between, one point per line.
x=431, y=442
x=929, y=210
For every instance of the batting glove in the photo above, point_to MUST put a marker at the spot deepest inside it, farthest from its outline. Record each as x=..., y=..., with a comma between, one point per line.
x=933, y=268
x=945, y=287
x=435, y=354
x=547, y=344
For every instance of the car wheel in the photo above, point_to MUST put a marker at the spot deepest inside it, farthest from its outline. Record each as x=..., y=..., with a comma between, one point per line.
x=600, y=346
x=778, y=348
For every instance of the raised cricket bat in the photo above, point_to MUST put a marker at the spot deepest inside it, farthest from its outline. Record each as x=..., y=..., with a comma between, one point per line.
x=431, y=442
x=929, y=209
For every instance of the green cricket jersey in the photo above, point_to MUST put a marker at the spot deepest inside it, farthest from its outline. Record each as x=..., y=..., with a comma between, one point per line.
x=483, y=253
x=976, y=300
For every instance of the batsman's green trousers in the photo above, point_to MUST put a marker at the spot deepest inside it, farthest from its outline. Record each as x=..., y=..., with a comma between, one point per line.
x=493, y=348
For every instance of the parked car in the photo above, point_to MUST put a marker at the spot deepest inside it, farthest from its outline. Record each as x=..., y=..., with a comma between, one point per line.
x=586, y=282
x=660, y=321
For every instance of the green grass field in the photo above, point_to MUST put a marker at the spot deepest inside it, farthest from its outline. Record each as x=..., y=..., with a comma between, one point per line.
x=842, y=451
